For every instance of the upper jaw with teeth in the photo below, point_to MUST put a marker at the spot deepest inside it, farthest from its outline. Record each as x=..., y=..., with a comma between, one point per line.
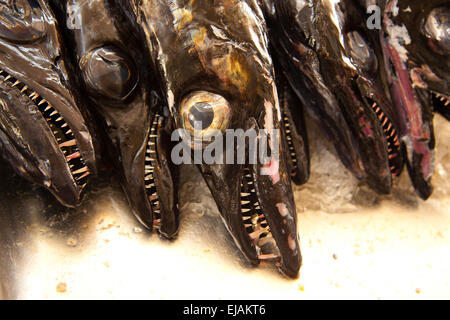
x=441, y=104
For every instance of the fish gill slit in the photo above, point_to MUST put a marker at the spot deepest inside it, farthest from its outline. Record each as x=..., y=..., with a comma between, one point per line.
x=391, y=136
x=149, y=169
x=254, y=220
x=60, y=129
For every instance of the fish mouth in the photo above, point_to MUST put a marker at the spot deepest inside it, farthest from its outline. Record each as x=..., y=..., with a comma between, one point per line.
x=368, y=125
x=151, y=180
x=149, y=170
x=293, y=128
x=394, y=150
x=67, y=151
x=321, y=104
x=293, y=162
x=259, y=211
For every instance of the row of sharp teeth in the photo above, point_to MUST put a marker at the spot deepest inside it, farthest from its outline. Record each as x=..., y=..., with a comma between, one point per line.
x=290, y=142
x=149, y=169
x=444, y=99
x=66, y=140
x=253, y=218
x=391, y=137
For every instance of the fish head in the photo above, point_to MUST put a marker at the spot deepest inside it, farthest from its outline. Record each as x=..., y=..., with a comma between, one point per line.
x=415, y=45
x=46, y=134
x=117, y=74
x=219, y=83
x=338, y=59
x=428, y=26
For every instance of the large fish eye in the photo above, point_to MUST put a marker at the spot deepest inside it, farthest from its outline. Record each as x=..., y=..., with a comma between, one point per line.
x=437, y=28
x=21, y=20
x=110, y=73
x=361, y=54
x=203, y=114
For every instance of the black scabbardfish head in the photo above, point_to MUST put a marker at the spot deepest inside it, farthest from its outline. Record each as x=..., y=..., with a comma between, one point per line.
x=117, y=73
x=415, y=43
x=45, y=132
x=333, y=62
x=215, y=66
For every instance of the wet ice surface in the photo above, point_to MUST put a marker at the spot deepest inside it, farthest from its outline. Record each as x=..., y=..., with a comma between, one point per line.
x=354, y=244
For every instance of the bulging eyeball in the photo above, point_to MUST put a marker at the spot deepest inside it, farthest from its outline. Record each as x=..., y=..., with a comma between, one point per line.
x=109, y=72
x=437, y=28
x=361, y=54
x=21, y=21
x=203, y=114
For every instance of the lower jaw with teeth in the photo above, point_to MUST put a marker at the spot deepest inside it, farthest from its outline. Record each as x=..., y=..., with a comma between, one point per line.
x=59, y=127
x=255, y=221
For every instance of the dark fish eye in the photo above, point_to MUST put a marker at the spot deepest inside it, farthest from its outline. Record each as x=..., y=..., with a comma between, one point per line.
x=204, y=113
x=361, y=54
x=437, y=28
x=110, y=73
x=21, y=20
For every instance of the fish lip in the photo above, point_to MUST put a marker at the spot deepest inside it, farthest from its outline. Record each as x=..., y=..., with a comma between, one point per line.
x=58, y=165
x=252, y=217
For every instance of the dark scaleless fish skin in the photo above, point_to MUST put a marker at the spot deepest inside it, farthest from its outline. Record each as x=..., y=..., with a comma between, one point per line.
x=419, y=72
x=219, y=49
x=333, y=63
x=44, y=133
x=117, y=73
